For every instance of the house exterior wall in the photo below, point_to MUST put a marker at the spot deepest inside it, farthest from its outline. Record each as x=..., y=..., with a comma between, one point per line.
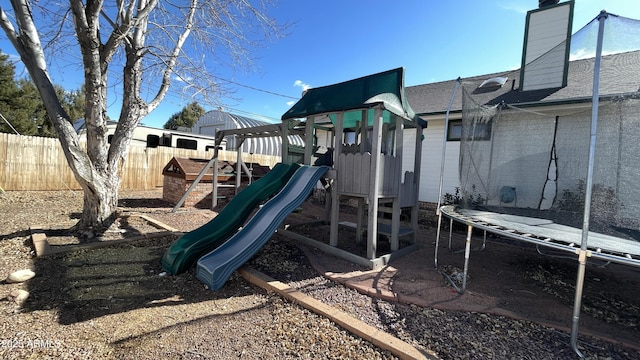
x=519, y=154
x=529, y=180
x=544, y=155
x=431, y=163
x=615, y=191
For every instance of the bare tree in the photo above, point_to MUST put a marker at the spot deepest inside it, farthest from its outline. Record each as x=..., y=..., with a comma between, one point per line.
x=149, y=43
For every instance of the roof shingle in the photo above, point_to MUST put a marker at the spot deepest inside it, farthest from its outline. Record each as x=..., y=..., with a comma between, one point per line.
x=619, y=74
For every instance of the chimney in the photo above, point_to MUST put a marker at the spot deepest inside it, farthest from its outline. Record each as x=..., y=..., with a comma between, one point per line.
x=545, y=3
x=547, y=40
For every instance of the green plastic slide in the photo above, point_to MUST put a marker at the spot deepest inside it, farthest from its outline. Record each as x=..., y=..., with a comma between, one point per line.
x=185, y=251
x=215, y=268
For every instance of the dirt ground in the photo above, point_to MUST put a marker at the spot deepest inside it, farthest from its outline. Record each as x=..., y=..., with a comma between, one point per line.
x=115, y=301
x=505, y=277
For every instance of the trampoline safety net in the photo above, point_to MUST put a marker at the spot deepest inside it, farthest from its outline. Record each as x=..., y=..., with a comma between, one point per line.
x=534, y=164
x=533, y=161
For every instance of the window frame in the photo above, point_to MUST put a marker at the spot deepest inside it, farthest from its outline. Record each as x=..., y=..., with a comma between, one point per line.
x=183, y=143
x=482, y=135
x=454, y=124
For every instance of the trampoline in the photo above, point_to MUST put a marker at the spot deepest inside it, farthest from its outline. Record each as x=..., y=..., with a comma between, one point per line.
x=545, y=232
x=540, y=232
x=537, y=174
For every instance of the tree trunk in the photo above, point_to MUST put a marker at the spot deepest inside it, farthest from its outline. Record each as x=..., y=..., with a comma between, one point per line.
x=127, y=34
x=100, y=204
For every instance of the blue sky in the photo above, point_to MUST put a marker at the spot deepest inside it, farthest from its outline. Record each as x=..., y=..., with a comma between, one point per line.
x=333, y=41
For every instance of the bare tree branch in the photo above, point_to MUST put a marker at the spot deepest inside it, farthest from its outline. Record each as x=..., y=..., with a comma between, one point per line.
x=141, y=46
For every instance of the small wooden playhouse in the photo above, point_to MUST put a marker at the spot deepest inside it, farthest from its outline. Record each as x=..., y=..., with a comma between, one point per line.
x=374, y=141
x=189, y=181
x=180, y=174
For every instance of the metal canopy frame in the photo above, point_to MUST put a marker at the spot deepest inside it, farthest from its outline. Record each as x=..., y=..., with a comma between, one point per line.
x=242, y=134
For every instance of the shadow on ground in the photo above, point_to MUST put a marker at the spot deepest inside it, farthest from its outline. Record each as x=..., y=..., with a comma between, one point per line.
x=87, y=284
x=132, y=203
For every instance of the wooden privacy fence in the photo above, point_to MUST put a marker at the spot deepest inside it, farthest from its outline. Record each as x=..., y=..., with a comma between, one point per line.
x=38, y=163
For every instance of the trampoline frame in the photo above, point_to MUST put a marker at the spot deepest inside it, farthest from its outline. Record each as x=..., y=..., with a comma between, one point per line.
x=582, y=254
x=593, y=252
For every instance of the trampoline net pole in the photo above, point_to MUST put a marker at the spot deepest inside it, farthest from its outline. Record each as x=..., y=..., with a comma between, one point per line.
x=444, y=143
x=435, y=257
x=444, y=151
x=582, y=260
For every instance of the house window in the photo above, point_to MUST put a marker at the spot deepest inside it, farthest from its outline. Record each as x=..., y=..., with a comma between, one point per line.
x=454, y=132
x=187, y=144
x=479, y=131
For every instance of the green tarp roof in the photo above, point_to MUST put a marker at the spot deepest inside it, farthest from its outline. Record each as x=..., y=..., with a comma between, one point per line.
x=385, y=88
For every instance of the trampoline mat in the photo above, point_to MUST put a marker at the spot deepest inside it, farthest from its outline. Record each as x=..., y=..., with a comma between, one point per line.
x=547, y=229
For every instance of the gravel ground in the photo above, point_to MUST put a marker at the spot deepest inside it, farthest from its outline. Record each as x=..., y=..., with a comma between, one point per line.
x=135, y=313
